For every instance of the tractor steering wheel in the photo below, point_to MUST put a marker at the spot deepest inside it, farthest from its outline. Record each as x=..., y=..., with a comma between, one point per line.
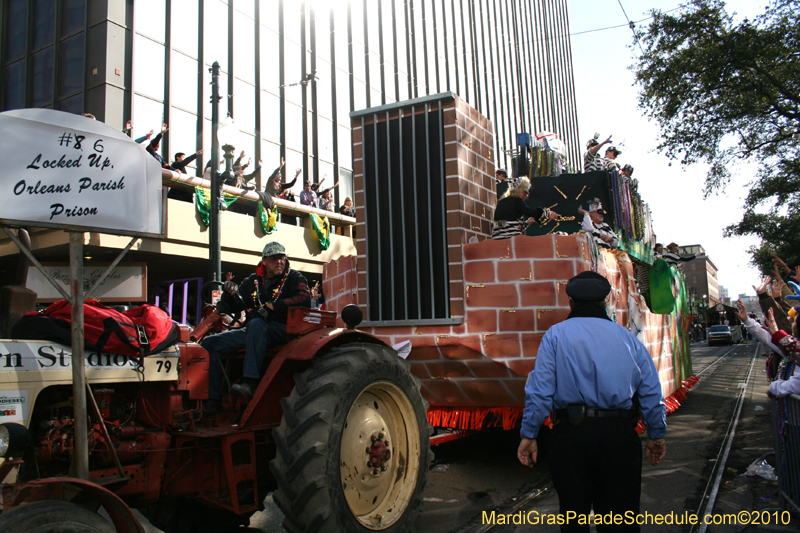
x=221, y=307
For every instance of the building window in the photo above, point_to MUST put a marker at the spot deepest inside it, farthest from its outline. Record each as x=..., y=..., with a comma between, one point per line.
x=42, y=83
x=70, y=59
x=72, y=105
x=44, y=22
x=14, y=82
x=73, y=16
x=17, y=29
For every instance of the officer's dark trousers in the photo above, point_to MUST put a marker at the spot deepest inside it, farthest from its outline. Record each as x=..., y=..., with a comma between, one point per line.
x=597, y=466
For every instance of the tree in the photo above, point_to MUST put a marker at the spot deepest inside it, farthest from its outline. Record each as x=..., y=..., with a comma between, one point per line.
x=723, y=93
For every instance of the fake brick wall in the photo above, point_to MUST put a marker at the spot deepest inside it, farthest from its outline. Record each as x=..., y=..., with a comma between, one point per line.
x=514, y=291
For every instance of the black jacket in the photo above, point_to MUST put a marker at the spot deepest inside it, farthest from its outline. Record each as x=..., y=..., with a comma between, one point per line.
x=181, y=165
x=514, y=208
x=256, y=291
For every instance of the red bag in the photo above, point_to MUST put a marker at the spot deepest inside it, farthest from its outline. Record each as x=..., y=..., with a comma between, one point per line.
x=138, y=331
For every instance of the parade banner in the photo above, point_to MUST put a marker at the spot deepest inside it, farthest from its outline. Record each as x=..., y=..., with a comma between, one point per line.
x=268, y=218
x=202, y=200
x=322, y=228
x=67, y=171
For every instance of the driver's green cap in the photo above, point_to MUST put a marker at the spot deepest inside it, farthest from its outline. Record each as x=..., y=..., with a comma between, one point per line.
x=274, y=248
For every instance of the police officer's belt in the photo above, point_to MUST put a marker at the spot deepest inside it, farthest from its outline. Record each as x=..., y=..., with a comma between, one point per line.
x=560, y=414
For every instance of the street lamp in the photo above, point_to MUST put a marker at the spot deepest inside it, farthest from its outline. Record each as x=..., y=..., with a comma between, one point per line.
x=225, y=134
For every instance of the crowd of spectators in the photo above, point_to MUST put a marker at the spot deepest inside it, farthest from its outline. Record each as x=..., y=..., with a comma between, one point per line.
x=275, y=186
x=778, y=297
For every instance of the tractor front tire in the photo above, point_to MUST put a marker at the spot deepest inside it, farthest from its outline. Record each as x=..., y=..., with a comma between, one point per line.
x=353, y=444
x=47, y=516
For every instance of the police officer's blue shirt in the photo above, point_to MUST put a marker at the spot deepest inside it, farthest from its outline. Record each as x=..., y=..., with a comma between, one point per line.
x=597, y=363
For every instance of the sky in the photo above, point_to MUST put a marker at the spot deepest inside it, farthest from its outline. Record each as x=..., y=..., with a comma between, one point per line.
x=607, y=104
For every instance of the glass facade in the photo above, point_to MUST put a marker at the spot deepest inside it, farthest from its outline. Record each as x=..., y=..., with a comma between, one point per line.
x=294, y=70
x=42, y=54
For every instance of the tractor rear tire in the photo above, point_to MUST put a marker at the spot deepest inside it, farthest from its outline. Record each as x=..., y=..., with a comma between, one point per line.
x=350, y=398
x=53, y=516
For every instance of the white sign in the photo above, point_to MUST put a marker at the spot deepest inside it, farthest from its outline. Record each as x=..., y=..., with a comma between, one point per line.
x=125, y=283
x=42, y=356
x=67, y=171
x=13, y=406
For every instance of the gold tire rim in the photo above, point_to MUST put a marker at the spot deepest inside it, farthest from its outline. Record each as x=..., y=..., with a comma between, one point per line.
x=381, y=419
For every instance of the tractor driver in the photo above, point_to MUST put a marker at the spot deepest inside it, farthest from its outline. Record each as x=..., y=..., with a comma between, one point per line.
x=266, y=295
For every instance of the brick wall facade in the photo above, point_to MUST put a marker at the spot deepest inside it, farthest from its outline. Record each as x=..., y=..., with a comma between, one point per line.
x=514, y=290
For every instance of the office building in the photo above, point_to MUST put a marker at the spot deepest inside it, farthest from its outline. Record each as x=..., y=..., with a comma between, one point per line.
x=292, y=72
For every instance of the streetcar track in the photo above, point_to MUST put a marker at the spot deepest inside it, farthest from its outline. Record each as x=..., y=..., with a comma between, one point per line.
x=716, y=361
x=530, y=497
x=711, y=490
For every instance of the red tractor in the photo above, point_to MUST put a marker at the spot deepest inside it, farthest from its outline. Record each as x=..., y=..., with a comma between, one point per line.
x=337, y=429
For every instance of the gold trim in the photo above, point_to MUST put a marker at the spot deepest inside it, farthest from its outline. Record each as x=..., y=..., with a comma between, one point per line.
x=558, y=254
x=552, y=206
x=508, y=251
x=540, y=311
x=580, y=193
x=417, y=332
x=562, y=192
x=484, y=338
x=441, y=337
x=554, y=228
x=466, y=291
x=508, y=310
x=530, y=275
x=559, y=284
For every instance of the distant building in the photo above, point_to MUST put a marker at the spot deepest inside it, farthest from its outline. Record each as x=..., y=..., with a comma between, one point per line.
x=723, y=295
x=701, y=280
x=752, y=306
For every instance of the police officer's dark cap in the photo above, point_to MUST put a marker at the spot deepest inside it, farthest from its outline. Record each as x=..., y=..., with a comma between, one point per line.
x=588, y=287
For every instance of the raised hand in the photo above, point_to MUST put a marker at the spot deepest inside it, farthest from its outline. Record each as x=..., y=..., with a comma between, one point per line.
x=762, y=288
x=742, y=311
x=777, y=288
x=769, y=320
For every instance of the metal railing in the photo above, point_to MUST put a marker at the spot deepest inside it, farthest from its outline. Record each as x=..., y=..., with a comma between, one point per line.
x=168, y=287
x=786, y=424
x=171, y=178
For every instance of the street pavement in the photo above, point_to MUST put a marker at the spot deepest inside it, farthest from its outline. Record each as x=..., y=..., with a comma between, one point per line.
x=481, y=473
x=695, y=433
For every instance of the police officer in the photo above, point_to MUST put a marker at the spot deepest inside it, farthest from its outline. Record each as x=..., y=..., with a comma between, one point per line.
x=592, y=373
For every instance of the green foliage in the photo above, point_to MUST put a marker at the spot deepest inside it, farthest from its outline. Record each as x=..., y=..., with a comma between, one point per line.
x=724, y=92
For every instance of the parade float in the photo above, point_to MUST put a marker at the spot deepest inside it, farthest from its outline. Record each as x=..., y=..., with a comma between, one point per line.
x=467, y=311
